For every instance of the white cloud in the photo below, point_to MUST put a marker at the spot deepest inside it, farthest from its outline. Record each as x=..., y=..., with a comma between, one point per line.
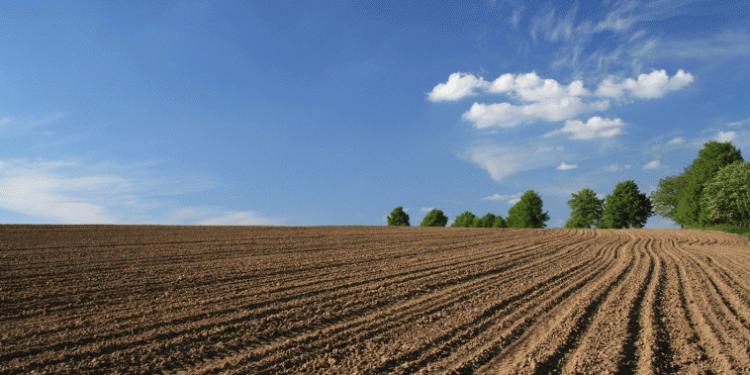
x=653, y=164
x=502, y=161
x=676, y=141
x=71, y=192
x=616, y=168
x=506, y=115
x=739, y=123
x=426, y=209
x=237, y=218
x=532, y=88
x=566, y=167
x=40, y=191
x=458, y=86
x=510, y=198
x=646, y=86
x=726, y=136
x=539, y=99
x=594, y=127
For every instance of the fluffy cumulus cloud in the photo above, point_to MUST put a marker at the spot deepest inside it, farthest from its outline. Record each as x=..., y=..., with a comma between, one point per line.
x=506, y=115
x=534, y=98
x=646, y=86
x=566, y=167
x=594, y=127
x=653, y=164
x=458, y=86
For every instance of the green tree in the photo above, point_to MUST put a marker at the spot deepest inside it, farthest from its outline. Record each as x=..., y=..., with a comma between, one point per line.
x=726, y=197
x=465, y=220
x=398, y=218
x=486, y=221
x=434, y=218
x=626, y=207
x=667, y=195
x=710, y=160
x=499, y=222
x=585, y=209
x=528, y=212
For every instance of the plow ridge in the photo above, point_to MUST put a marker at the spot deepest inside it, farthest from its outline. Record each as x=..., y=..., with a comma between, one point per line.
x=93, y=299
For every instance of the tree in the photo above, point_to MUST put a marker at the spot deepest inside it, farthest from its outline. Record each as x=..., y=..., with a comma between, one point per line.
x=486, y=221
x=585, y=209
x=667, y=195
x=626, y=207
x=465, y=220
x=398, y=218
x=499, y=222
x=726, y=197
x=434, y=218
x=710, y=160
x=528, y=212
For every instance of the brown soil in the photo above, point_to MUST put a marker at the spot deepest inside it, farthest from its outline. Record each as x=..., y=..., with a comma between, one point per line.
x=132, y=299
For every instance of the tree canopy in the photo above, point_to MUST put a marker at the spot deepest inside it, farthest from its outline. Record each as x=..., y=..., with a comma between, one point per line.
x=528, y=212
x=626, y=207
x=585, y=209
x=486, y=221
x=499, y=222
x=465, y=220
x=666, y=197
x=726, y=197
x=711, y=158
x=434, y=218
x=398, y=218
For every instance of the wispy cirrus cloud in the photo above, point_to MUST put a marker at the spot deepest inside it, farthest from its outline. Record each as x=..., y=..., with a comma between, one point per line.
x=509, y=198
x=69, y=191
x=502, y=161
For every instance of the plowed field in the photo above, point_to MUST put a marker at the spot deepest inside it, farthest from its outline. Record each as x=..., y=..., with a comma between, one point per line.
x=131, y=299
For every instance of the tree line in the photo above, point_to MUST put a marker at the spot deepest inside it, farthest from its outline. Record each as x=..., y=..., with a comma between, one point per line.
x=527, y=213
x=713, y=189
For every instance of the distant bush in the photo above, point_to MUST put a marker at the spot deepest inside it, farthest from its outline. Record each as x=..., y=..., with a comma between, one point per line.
x=465, y=220
x=398, y=218
x=626, y=207
x=434, y=218
x=528, y=212
x=585, y=209
x=499, y=222
x=726, y=197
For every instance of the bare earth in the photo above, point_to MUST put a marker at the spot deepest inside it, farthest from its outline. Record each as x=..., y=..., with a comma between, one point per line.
x=129, y=299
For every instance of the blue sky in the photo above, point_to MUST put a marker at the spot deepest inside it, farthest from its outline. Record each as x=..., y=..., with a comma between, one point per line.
x=313, y=113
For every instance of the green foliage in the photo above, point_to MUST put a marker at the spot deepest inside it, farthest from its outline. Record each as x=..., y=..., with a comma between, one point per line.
x=499, y=222
x=744, y=232
x=528, y=212
x=626, y=207
x=465, y=220
x=585, y=209
x=434, y=218
x=667, y=195
x=398, y=218
x=726, y=197
x=710, y=160
x=486, y=221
